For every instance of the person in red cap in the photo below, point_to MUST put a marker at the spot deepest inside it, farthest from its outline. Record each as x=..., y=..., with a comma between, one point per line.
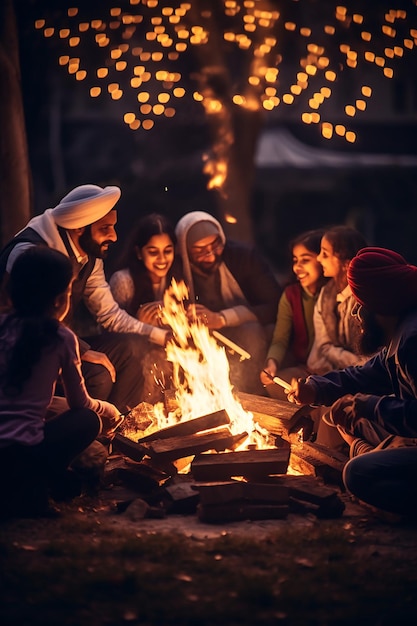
x=374, y=406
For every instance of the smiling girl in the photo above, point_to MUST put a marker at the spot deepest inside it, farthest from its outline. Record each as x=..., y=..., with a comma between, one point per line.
x=294, y=333
x=147, y=269
x=336, y=329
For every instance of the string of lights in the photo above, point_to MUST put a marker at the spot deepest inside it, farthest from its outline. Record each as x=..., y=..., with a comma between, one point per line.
x=140, y=46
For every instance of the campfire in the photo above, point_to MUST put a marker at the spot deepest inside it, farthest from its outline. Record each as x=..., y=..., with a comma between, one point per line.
x=215, y=436
x=200, y=382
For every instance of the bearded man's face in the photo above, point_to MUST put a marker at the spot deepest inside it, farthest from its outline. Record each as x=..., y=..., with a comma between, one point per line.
x=206, y=254
x=372, y=337
x=96, y=238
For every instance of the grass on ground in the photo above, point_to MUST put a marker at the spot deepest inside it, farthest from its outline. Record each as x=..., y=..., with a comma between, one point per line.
x=76, y=571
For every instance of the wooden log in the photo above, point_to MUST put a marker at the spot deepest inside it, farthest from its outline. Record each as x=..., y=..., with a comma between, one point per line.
x=189, y=427
x=309, y=488
x=128, y=447
x=309, y=459
x=240, y=491
x=309, y=493
x=178, y=447
x=180, y=496
x=216, y=514
x=277, y=416
x=307, y=465
x=326, y=455
x=140, y=476
x=252, y=464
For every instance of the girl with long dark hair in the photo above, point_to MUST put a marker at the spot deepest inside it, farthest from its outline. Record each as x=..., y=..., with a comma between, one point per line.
x=146, y=269
x=35, y=350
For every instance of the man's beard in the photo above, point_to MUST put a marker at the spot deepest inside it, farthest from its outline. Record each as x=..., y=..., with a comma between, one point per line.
x=91, y=247
x=207, y=268
x=372, y=338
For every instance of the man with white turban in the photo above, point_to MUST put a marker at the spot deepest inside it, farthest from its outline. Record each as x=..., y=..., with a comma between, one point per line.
x=374, y=406
x=82, y=226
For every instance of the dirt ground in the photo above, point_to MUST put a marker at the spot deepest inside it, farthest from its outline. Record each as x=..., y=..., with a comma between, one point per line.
x=100, y=566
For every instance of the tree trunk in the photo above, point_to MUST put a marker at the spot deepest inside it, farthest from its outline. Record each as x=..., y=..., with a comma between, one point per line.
x=15, y=197
x=234, y=128
x=235, y=198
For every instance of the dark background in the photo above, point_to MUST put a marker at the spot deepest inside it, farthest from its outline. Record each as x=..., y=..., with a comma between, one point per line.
x=74, y=139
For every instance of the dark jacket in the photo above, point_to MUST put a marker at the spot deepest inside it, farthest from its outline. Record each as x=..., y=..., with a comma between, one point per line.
x=389, y=380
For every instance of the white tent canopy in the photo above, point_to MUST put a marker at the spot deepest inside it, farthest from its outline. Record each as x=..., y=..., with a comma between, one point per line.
x=279, y=148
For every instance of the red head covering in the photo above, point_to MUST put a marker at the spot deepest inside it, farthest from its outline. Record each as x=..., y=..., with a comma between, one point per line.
x=382, y=281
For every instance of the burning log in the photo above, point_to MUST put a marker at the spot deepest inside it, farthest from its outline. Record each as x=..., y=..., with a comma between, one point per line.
x=313, y=459
x=128, y=447
x=189, y=427
x=180, y=438
x=252, y=464
x=178, y=447
x=276, y=416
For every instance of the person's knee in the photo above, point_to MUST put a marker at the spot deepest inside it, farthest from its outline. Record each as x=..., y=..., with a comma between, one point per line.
x=91, y=423
x=133, y=346
x=97, y=380
x=352, y=475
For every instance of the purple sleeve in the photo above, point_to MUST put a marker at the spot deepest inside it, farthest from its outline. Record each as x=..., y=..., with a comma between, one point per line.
x=72, y=378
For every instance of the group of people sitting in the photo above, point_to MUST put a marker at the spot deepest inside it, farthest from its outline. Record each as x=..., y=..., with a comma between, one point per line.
x=76, y=346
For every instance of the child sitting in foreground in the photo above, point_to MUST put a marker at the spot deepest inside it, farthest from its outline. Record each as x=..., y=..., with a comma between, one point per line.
x=35, y=349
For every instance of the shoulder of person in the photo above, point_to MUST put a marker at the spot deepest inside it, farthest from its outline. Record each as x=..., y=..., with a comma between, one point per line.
x=293, y=289
x=121, y=276
x=238, y=250
x=67, y=334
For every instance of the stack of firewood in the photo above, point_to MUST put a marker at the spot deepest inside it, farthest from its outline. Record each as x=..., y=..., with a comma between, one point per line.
x=195, y=467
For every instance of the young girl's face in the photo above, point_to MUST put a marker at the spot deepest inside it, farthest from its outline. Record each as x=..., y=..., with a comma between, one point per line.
x=157, y=256
x=333, y=267
x=306, y=268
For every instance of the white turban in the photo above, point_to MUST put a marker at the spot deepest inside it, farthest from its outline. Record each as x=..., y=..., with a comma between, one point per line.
x=85, y=205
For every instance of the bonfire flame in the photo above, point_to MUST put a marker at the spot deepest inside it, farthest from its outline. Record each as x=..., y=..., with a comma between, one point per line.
x=200, y=366
x=200, y=377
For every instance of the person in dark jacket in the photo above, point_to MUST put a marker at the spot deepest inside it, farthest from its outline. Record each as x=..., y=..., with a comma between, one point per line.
x=233, y=289
x=374, y=406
